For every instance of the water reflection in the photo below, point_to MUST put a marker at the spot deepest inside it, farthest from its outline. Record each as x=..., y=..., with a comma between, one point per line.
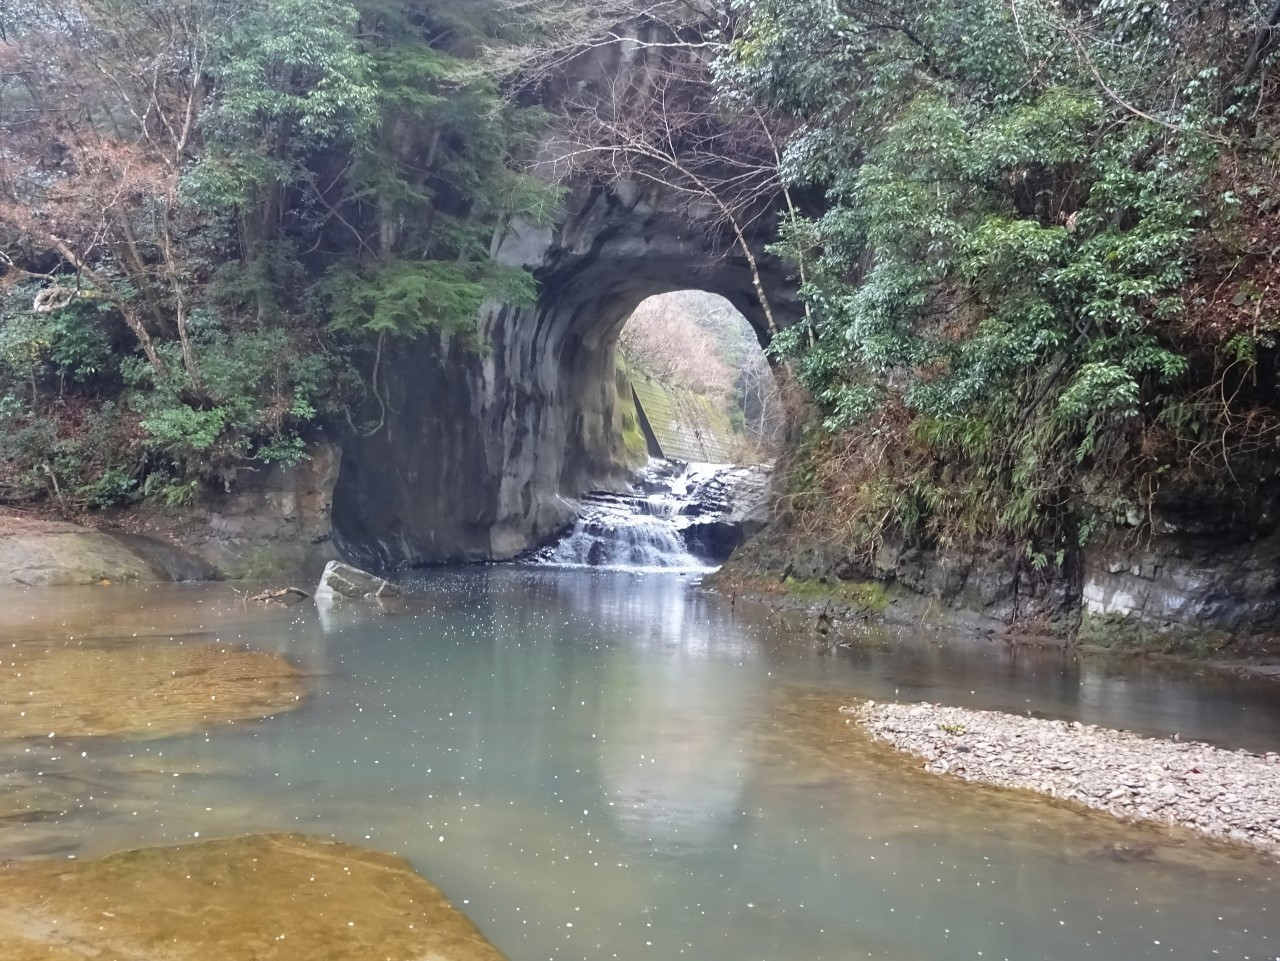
x=599, y=765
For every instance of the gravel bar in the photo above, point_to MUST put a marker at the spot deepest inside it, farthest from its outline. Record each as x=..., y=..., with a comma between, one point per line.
x=1231, y=795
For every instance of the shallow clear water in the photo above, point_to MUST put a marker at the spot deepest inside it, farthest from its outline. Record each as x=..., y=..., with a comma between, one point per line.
x=606, y=765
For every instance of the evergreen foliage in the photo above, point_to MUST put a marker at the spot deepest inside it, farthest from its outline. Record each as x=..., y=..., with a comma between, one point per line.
x=1036, y=240
x=246, y=199
x=1021, y=202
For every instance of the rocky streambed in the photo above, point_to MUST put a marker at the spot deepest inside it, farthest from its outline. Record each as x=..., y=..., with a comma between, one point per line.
x=1230, y=795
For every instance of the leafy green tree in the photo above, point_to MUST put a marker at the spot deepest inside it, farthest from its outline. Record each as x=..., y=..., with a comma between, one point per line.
x=1015, y=200
x=249, y=198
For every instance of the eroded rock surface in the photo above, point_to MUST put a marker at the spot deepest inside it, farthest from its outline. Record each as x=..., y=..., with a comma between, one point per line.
x=1179, y=592
x=482, y=451
x=1174, y=582
x=138, y=688
x=261, y=898
x=734, y=505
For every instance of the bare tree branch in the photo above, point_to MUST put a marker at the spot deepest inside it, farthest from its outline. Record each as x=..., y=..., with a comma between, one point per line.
x=655, y=118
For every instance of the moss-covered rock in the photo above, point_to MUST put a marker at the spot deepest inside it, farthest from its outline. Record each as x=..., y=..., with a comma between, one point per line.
x=687, y=426
x=635, y=445
x=869, y=596
x=1114, y=632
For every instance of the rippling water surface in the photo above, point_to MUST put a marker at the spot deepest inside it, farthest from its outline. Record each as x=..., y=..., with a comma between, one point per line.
x=604, y=765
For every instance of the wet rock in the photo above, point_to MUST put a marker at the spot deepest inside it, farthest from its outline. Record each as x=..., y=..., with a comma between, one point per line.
x=1181, y=591
x=343, y=580
x=37, y=553
x=1176, y=583
x=482, y=449
x=732, y=505
x=261, y=898
x=712, y=540
x=1230, y=795
x=176, y=563
x=673, y=515
x=138, y=689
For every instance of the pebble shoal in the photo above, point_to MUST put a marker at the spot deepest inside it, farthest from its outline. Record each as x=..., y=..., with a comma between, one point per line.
x=1230, y=795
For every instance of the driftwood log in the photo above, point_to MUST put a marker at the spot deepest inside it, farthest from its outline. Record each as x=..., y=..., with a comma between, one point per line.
x=266, y=597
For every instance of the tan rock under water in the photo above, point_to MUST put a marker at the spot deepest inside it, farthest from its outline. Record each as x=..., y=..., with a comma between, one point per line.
x=259, y=898
x=139, y=689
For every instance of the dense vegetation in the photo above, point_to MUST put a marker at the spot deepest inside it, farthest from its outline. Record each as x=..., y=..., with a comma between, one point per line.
x=1037, y=241
x=698, y=342
x=216, y=214
x=1041, y=265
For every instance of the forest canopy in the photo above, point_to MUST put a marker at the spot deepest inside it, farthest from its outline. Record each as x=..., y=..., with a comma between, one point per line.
x=216, y=214
x=1036, y=242
x=1041, y=268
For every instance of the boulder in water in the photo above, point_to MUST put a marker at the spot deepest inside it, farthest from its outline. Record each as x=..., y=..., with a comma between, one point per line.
x=343, y=580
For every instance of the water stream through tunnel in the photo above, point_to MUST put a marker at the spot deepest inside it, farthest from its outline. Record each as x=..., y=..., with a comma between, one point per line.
x=673, y=517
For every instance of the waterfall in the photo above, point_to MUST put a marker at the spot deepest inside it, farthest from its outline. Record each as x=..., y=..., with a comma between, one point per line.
x=641, y=529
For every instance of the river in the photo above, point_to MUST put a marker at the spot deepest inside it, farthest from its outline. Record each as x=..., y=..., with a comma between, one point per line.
x=614, y=765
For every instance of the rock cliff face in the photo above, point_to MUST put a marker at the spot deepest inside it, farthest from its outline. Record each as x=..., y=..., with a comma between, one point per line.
x=483, y=451
x=1225, y=584
x=1188, y=591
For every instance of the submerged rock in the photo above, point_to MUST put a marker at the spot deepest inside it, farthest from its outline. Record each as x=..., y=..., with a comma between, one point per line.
x=343, y=580
x=138, y=688
x=260, y=898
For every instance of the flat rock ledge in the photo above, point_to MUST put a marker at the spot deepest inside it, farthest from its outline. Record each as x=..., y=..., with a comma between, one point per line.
x=1229, y=795
x=139, y=689
x=35, y=552
x=260, y=898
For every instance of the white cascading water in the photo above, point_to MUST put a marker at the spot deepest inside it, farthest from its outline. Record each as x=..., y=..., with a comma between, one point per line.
x=640, y=530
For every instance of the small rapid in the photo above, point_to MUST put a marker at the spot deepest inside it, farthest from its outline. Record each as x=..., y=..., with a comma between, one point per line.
x=674, y=517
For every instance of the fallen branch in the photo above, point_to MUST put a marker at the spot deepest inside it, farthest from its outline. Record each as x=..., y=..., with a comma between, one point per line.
x=266, y=597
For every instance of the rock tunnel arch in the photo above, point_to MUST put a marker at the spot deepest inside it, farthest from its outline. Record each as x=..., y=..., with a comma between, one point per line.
x=483, y=451
x=631, y=250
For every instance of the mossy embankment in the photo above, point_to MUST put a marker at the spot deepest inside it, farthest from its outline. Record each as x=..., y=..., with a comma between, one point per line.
x=1160, y=602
